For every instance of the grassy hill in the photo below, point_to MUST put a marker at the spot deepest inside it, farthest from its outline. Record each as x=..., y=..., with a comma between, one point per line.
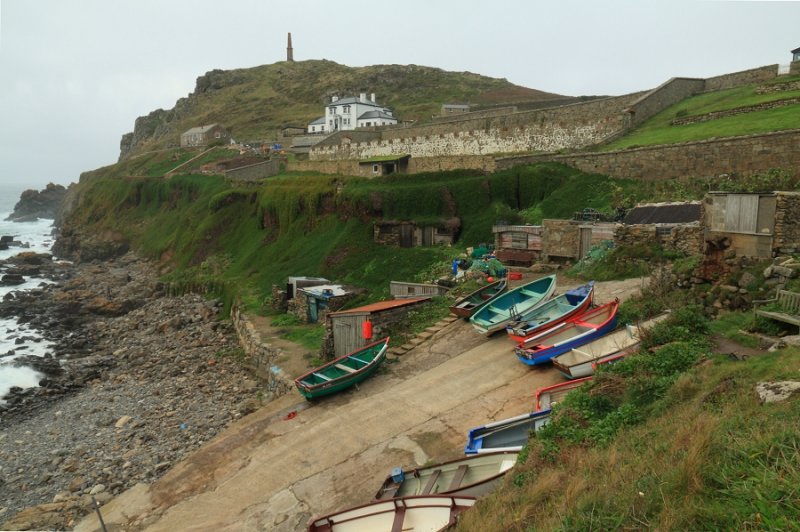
x=659, y=130
x=254, y=103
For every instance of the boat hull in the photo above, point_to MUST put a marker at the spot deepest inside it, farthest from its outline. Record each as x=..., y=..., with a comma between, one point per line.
x=473, y=476
x=507, y=307
x=506, y=435
x=343, y=372
x=580, y=361
x=546, y=397
x=469, y=304
x=557, y=310
x=540, y=349
x=435, y=512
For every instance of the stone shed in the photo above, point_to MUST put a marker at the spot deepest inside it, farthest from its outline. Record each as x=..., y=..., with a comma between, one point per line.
x=282, y=296
x=312, y=304
x=572, y=239
x=675, y=226
x=203, y=135
x=407, y=234
x=344, y=329
x=753, y=225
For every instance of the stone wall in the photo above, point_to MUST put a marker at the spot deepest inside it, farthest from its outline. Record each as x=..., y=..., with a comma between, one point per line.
x=786, y=238
x=481, y=163
x=258, y=355
x=471, y=115
x=744, y=77
x=778, y=87
x=569, y=126
x=687, y=239
x=658, y=99
x=794, y=68
x=738, y=155
x=735, y=111
x=560, y=238
x=256, y=171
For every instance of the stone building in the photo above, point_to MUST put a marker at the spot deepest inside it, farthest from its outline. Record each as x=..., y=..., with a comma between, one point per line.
x=204, y=135
x=519, y=245
x=572, y=239
x=752, y=225
x=407, y=234
x=352, y=112
x=344, y=329
x=312, y=304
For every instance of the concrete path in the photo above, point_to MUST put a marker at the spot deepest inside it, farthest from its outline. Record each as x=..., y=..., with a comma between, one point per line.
x=292, y=460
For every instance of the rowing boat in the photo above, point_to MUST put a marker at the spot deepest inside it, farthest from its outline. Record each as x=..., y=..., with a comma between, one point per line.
x=467, y=305
x=555, y=311
x=509, y=306
x=505, y=435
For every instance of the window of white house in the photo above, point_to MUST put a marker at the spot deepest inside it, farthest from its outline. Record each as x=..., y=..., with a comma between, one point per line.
x=330, y=123
x=347, y=109
x=313, y=128
x=376, y=168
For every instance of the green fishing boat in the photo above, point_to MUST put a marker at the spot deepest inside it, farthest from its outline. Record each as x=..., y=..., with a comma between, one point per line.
x=343, y=372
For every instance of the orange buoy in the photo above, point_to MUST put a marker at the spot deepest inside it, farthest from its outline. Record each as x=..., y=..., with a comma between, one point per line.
x=366, y=329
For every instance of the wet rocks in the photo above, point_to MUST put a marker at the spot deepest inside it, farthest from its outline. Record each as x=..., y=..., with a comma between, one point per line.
x=124, y=396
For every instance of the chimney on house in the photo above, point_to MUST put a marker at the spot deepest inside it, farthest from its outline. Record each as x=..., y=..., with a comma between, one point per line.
x=289, y=49
x=334, y=99
x=372, y=97
x=363, y=97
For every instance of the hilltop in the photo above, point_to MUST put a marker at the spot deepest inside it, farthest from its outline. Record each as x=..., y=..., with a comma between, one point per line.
x=253, y=103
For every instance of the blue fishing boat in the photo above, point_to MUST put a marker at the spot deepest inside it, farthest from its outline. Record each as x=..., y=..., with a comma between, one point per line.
x=506, y=435
x=510, y=306
x=557, y=310
x=577, y=331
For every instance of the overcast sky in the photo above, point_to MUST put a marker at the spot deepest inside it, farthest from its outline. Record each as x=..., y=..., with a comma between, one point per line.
x=74, y=75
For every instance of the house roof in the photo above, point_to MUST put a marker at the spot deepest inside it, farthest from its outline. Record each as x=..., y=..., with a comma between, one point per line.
x=663, y=213
x=318, y=121
x=381, y=305
x=376, y=114
x=350, y=100
x=455, y=106
x=200, y=129
x=320, y=290
x=796, y=50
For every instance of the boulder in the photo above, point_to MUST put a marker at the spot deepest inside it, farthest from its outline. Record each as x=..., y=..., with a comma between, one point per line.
x=773, y=392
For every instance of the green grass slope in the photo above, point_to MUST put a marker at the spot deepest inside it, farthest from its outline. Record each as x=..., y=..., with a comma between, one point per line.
x=254, y=102
x=658, y=129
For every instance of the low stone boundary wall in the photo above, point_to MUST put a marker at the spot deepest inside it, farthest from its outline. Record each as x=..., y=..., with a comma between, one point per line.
x=261, y=357
x=733, y=112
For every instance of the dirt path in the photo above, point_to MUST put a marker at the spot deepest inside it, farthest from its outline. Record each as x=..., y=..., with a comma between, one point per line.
x=290, y=460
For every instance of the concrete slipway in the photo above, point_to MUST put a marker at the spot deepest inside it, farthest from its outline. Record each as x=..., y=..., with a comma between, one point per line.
x=274, y=470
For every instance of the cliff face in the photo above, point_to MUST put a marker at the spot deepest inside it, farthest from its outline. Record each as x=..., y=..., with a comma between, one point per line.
x=254, y=103
x=34, y=204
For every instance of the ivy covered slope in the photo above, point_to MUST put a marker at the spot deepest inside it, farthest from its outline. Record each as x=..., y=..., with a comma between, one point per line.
x=254, y=102
x=203, y=228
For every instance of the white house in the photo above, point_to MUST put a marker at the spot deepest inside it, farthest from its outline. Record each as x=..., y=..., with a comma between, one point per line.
x=349, y=113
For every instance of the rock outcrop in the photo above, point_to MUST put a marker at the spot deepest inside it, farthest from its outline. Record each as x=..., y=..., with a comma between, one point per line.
x=34, y=204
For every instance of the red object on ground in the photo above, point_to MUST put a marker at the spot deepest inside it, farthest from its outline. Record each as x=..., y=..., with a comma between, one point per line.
x=366, y=330
x=290, y=415
x=490, y=279
x=514, y=276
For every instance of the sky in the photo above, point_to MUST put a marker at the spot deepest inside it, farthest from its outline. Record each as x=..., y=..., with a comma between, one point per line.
x=75, y=75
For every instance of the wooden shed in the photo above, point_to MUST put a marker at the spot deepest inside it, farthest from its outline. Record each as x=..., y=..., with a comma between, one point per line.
x=403, y=290
x=747, y=222
x=344, y=329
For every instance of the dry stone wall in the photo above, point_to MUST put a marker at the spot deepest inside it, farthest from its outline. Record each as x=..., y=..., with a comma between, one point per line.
x=687, y=239
x=260, y=356
x=745, y=77
x=569, y=126
x=738, y=155
x=786, y=238
x=658, y=99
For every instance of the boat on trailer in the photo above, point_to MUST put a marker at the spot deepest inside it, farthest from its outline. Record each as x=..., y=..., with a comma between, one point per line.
x=474, y=475
x=581, y=361
x=579, y=330
x=509, y=306
x=548, y=315
x=467, y=305
x=422, y=513
x=505, y=435
x=343, y=372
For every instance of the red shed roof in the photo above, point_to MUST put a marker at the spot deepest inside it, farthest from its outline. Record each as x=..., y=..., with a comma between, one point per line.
x=381, y=305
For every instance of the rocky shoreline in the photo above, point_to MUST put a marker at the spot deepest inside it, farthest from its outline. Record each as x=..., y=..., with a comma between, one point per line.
x=137, y=380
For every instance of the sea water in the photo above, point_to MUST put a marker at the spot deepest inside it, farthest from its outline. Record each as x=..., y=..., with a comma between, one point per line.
x=35, y=236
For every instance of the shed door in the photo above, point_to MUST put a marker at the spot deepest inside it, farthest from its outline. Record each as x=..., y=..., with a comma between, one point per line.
x=347, y=334
x=406, y=235
x=741, y=213
x=427, y=236
x=586, y=242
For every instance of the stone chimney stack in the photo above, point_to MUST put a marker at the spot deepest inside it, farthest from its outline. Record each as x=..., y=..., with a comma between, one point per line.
x=289, y=49
x=363, y=97
x=372, y=97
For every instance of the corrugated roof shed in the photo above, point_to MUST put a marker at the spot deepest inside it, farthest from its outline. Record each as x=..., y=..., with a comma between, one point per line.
x=381, y=305
x=664, y=213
